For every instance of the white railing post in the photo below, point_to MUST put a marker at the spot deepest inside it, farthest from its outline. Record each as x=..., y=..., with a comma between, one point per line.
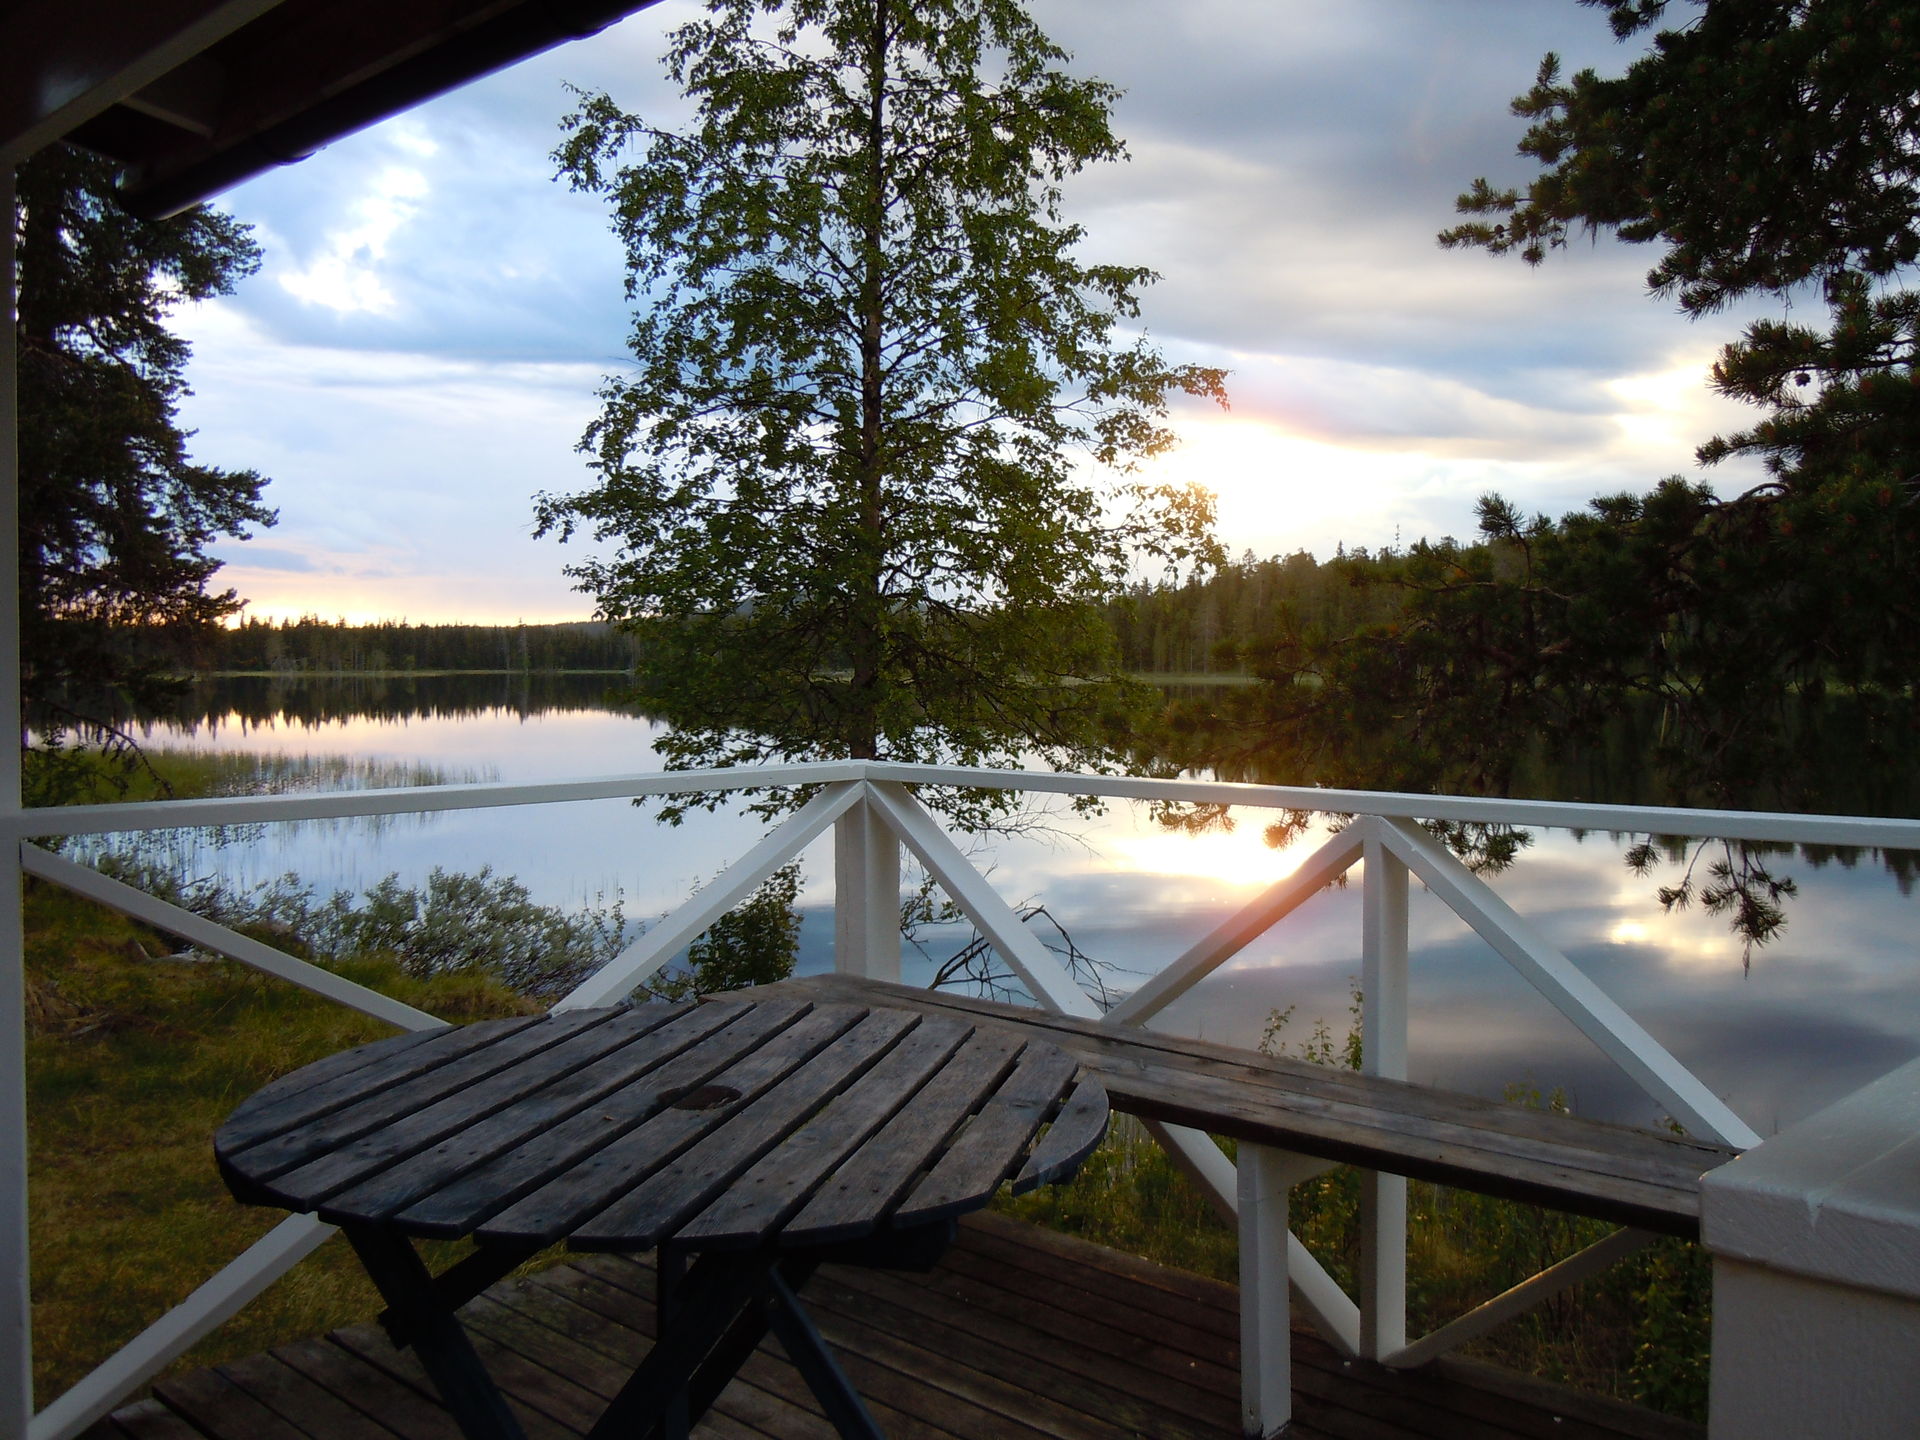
x=1815, y=1238
x=866, y=896
x=1266, y=1346
x=622, y=975
x=16, y=1305
x=1383, y=1036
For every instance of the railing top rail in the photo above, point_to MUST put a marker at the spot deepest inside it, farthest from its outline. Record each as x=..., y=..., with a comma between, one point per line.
x=1865, y=832
x=408, y=800
x=1787, y=827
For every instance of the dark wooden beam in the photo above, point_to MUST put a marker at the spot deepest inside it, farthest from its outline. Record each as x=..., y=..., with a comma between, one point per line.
x=193, y=96
x=316, y=70
x=62, y=64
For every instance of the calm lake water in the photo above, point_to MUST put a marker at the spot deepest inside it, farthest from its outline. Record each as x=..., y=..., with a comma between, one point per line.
x=1829, y=1005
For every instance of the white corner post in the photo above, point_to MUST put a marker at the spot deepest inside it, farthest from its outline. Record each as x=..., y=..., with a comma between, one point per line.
x=866, y=895
x=1815, y=1238
x=16, y=1304
x=1266, y=1348
x=1383, y=1035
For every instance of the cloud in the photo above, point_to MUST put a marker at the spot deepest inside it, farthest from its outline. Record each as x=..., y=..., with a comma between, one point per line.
x=345, y=275
x=250, y=556
x=436, y=310
x=404, y=481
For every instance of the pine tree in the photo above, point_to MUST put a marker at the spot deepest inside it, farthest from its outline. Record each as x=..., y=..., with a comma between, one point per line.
x=1767, y=148
x=115, y=518
x=1771, y=148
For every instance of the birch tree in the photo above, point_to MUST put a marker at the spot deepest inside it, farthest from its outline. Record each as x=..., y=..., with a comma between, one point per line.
x=875, y=462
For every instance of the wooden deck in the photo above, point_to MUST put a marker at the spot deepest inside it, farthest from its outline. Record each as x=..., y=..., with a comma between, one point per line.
x=1019, y=1334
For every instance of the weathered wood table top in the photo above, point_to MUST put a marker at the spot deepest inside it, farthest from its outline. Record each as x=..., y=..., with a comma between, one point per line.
x=730, y=1124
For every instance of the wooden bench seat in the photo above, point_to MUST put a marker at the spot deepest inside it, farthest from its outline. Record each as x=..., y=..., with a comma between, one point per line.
x=1631, y=1176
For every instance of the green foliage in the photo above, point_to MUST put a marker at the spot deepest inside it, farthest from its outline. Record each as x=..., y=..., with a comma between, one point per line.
x=115, y=519
x=1765, y=145
x=1207, y=624
x=479, y=924
x=755, y=943
x=1131, y=1197
x=849, y=484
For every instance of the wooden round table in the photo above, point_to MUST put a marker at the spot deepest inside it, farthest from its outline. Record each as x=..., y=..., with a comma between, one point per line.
x=767, y=1134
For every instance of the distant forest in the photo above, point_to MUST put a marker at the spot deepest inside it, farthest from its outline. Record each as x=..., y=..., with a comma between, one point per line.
x=311, y=646
x=1208, y=626
x=1202, y=627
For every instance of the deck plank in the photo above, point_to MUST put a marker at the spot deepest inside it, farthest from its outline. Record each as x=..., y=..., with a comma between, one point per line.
x=1018, y=1334
x=221, y=1409
x=367, y=1343
x=369, y=1389
x=302, y=1403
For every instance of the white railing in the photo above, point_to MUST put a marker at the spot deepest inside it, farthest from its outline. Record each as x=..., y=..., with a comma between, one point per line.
x=875, y=814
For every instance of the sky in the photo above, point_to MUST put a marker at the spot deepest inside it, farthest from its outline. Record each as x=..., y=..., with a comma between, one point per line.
x=421, y=350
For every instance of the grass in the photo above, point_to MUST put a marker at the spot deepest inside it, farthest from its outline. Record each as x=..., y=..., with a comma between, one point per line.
x=132, y=1063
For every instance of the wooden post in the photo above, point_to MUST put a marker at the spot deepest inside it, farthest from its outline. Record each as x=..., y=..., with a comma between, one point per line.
x=1266, y=1350
x=1383, y=1031
x=16, y=1306
x=866, y=896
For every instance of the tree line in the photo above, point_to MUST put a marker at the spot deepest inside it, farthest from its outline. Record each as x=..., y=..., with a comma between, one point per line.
x=312, y=646
x=1213, y=623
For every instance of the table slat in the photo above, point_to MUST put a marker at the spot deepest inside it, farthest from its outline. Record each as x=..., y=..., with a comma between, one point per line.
x=879, y=1172
x=1074, y=1135
x=994, y=1140
x=349, y=1076
x=585, y=1188
x=458, y=1208
x=384, y=1106
x=642, y=1216
x=753, y=1206
x=420, y=1174
x=356, y=1160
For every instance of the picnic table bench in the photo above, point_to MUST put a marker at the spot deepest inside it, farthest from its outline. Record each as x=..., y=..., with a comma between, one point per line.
x=1643, y=1178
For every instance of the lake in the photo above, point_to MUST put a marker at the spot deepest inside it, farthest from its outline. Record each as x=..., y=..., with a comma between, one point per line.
x=1829, y=1005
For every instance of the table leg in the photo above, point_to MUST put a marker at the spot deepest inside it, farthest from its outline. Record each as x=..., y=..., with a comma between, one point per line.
x=808, y=1350
x=708, y=1303
x=464, y=1279
x=734, y=1347
x=671, y=1271
x=712, y=1317
x=436, y=1336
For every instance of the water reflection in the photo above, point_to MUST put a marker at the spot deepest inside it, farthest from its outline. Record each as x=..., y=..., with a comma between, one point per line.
x=1834, y=1002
